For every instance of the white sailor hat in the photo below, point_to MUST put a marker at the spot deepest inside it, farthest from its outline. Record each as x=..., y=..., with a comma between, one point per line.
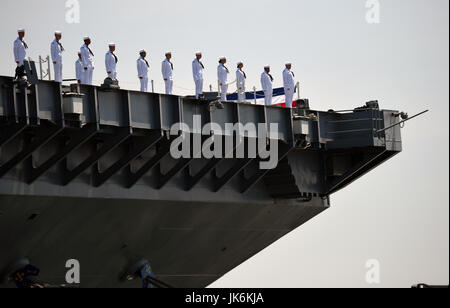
x=86, y=38
x=20, y=30
x=79, y=52
x=198, y=53
x=112, y=44
x=222, y=58
x=168, y=53
x=142, y=50
x=240, y=62
x=267, y=66
x=288, y=63
x=57, y=32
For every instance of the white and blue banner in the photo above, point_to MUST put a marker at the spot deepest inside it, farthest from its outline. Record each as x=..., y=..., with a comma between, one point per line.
x=277, y=99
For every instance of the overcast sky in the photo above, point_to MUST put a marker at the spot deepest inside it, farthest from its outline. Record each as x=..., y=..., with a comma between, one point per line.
x=399, y=213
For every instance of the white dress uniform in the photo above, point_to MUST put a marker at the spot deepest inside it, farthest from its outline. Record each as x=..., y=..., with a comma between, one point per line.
x=88, y=62
x=111, y=64
x=222, y=74
x=267, y=85
x=289, y=87
x=79, y=70
x=240, y=78
x=197, y=71
x=20, y=52
x=56, y=51
x=142, y=67
x=167, y=73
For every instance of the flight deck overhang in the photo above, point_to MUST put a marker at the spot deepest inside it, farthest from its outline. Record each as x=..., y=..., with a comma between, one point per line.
x=86, y=173
x=98, y=136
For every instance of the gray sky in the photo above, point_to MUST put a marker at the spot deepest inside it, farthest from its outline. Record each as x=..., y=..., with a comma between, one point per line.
x=399, y=213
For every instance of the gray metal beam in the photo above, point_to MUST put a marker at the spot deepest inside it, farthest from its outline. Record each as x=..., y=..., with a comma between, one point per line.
x=110, y=144
x=44, y=135
x=359, y=169
x=137, y=148
x=192, y=181
x=259, y=174
x=236, y=169
x=180, y=166
x=76, y=141
x=134, y=177
x=9, y=132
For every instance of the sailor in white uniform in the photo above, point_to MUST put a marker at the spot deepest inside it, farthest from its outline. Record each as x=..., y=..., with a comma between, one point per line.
x=267, y=85
x=20, y=53
x=167, y=73
x=240, y=79
x=197, y=71
x=87, y=57
x=142, y=68
x=289, y=84
x=79, y=68
x=111, y=61
x=56, y=50
x=222, y=74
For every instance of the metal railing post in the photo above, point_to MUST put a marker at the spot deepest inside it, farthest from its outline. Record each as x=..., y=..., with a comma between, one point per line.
x=49, y=69
x=40, y=66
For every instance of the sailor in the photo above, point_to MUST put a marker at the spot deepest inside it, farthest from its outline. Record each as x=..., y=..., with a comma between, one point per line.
x=197, y=71
x=111, y=61
x=240, y=79
x=167, y=73
x=57, y=49
x=267, y=85
x=20, y=47
x=289, y=84
x=142, y=67
x=87, y=57
x=79, y=68
x=222, y=74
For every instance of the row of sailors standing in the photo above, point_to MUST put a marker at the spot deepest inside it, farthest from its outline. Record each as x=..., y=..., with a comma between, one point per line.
x=266, y=82
x=166, y=69
x=85, y=68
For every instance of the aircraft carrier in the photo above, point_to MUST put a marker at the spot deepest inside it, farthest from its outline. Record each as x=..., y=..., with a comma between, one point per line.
x=86, y=174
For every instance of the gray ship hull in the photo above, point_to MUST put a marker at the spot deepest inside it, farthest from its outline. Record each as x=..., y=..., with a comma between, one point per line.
x=189, y=244
x=101, y=187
